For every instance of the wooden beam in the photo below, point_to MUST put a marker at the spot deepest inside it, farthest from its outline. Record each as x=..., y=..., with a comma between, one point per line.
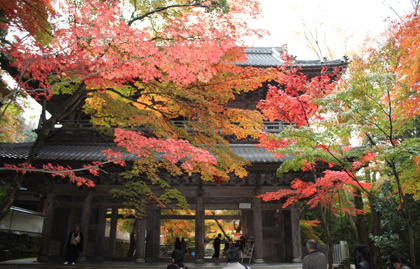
x=187, y=191
x=212, y=217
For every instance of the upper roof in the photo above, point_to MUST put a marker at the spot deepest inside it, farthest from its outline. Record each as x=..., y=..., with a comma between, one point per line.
x=271, y=57
x=93, y=152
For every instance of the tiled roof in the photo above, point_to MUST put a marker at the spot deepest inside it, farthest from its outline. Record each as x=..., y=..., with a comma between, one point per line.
x=270, y=57
x=91, y=152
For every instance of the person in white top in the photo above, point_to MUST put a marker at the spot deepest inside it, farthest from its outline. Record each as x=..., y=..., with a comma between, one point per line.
x=74, y=246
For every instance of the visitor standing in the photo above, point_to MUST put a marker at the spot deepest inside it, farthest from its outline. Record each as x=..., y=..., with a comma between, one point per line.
x=183, y=246
x=242, y=244
x=362, y=258
x=227, y=245
x=314, y=259
x=74, y=246
x=177, y=244
x=216, y=245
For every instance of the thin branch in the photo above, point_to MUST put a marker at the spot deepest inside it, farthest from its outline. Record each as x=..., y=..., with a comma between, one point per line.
x=160, y=9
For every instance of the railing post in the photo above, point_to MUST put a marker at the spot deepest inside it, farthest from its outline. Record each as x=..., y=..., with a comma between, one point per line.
x=345, y=254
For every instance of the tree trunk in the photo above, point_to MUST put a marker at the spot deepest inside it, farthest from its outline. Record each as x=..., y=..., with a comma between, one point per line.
x=68, y=106
x=411, y=240
x=220, y=227
x=407, y=215
x=327, y=233
x=375, y=230
x=362, y=233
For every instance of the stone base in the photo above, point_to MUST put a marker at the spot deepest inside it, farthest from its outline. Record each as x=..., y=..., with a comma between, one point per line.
x=139, y=260
x=81, y=259
x=99, y=258
x=259, y=261
x=199, y=261
x=42, y=258
x=297, y=260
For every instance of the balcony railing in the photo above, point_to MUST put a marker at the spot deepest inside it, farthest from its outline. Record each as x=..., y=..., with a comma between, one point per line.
x=269, y=126
x=274, y=126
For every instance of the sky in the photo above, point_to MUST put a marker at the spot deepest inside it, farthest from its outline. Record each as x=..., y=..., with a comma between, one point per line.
x=355, y=18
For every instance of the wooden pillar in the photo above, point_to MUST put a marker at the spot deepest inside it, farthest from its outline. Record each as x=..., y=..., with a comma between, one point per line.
x=47, y=227
x=70, y=226
x=296, y=240
x=100, y=235
x=258, y=236
x=140, y=240
x=281, y=234
x=244, y=220
x=150, y=236
x=156, y=234
x=153, y=234
x=199, y=226
x=113, y=233
x=84, y=224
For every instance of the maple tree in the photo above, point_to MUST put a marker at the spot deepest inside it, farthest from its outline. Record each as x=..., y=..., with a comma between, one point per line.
x=294, y=102
x=169, y=60
x=170, y=229
x=374, y=105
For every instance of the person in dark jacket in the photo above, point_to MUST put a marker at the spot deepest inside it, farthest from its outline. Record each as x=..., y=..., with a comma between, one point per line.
x=74, y=246
x=177, y=259
x=400, y=262
x=314, y=259
x=362, y=258
x=216, y=245
x=177, y=244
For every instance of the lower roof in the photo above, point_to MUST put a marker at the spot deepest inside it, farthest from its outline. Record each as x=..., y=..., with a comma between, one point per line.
x=93, y=152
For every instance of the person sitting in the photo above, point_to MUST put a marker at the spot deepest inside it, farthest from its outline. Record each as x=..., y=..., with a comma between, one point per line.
x=177, y=259
x=233, y=260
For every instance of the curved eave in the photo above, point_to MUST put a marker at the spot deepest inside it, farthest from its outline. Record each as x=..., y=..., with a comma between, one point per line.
x=93, y=152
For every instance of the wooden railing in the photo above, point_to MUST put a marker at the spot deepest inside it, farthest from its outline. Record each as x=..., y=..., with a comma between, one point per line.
x=341, y=256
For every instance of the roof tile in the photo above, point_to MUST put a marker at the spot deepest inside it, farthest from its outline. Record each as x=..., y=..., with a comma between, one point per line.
x=89, y=152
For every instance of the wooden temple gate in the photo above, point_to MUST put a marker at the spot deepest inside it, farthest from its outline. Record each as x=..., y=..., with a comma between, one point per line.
x=275, y=230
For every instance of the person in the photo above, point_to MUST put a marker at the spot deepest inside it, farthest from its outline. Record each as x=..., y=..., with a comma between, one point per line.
x=227, y=245
x=183, y=246
x=314, y=259
x=177, y=244
x=242, y=244
x=362, y=259
x=216, y=245
x=233, y=260
x=177, y=259
x=74, y=246
x=399, y=261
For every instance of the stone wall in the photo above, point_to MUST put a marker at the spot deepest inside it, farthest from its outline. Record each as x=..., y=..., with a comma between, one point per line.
x=22, y=245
